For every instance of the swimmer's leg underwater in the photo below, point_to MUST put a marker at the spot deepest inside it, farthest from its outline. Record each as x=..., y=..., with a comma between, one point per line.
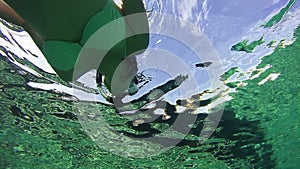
x=137, y=30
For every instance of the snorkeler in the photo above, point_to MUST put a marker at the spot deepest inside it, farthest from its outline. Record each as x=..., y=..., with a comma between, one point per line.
x=61, y=29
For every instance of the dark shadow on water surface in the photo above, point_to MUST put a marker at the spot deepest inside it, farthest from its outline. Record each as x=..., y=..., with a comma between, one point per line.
x=234, y=138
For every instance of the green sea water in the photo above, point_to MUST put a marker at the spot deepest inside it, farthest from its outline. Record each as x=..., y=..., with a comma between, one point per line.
x=259, y=128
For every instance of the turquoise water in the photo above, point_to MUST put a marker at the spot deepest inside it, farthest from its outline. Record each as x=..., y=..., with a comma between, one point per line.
x=257, y=98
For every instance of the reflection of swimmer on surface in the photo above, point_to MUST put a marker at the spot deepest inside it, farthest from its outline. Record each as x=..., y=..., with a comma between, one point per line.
x=61, y=29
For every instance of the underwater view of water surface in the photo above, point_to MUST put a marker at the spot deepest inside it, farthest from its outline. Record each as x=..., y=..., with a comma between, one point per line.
x=218, y=88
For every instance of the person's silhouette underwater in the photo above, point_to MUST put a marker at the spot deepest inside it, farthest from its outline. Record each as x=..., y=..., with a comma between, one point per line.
x=61, y=28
